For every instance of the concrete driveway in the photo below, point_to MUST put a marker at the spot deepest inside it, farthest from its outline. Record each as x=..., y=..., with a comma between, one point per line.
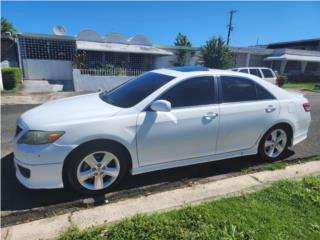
x=15, y=197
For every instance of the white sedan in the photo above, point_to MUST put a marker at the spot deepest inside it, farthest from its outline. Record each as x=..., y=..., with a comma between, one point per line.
x=162, y=119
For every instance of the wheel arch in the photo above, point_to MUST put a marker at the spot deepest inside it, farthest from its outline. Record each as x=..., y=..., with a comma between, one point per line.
x=285, y=125
x=108, y=142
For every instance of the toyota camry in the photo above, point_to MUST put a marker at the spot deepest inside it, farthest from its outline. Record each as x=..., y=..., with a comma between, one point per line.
x=165, y=118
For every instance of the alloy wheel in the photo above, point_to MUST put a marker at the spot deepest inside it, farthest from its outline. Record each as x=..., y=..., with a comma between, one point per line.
x=275, y=143
x=98, y=170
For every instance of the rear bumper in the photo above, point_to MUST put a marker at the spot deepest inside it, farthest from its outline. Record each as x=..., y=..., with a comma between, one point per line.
x=299, y=138
x=44, y=176
x=301, y=130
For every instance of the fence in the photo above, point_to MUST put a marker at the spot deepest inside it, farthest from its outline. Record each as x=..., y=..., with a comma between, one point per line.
x=112, y=72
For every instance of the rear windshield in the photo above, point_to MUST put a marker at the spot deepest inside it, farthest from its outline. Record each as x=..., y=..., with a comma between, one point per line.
x=134, y=91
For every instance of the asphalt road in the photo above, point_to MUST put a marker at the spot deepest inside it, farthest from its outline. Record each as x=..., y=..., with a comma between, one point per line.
x=15, y=197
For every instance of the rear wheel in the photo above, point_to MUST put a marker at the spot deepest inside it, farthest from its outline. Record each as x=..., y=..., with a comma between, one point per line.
x=96, y=168
x=274, y=144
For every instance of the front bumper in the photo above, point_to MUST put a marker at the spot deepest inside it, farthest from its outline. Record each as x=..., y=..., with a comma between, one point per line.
x=40, y=166
x=44, y=176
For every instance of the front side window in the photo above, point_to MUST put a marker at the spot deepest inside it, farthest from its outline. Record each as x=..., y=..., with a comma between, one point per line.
x=192, y=92
x=256, y=72
x=267, y=73
x=135, y=90
x=236, y=89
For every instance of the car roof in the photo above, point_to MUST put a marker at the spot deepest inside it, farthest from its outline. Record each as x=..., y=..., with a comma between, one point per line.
x=251, y=68
x=189, y=71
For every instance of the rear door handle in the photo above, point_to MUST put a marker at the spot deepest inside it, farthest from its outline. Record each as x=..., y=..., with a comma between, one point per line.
x=270, y=109
x=210, y=115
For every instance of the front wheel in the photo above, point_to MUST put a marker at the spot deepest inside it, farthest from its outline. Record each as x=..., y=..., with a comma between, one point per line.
x=274, y=144
x=96, y=169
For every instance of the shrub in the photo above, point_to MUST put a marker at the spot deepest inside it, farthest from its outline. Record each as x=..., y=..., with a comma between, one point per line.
x=11, y=77
x=303, y=78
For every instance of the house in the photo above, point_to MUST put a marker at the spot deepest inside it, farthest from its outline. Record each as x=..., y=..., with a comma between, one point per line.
x=65, y=58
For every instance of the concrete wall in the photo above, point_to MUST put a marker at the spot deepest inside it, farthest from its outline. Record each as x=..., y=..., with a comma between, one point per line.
x=87, y=82
x=36, y=69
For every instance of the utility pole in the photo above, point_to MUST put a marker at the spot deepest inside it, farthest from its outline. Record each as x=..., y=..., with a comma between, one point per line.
x=230, y=27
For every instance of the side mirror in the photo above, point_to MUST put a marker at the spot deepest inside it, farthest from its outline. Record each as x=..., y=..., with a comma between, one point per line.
x=161, y=106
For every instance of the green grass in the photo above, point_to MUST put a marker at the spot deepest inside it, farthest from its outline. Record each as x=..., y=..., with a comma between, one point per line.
x=309, y=86
x=285, y=210
x=274, y=166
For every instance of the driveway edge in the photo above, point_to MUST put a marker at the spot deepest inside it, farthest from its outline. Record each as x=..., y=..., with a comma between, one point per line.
x=52, y=227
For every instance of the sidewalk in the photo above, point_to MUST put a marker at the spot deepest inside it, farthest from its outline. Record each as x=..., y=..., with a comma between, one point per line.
x=52, y=227
x=34, y=98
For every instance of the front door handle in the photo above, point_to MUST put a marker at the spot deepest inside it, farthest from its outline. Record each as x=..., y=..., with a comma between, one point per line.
x=270, y=109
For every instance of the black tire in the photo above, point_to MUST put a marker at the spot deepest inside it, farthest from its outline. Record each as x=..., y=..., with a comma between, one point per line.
x=76, y=157
x=261, y=150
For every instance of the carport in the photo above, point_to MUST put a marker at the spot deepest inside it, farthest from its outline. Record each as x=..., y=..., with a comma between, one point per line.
x=292, y=61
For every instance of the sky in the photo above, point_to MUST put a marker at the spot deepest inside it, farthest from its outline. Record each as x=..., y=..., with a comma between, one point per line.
x=262, y=22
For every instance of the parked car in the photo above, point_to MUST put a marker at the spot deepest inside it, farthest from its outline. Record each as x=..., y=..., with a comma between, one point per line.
x=162, y=119
x=261, y=72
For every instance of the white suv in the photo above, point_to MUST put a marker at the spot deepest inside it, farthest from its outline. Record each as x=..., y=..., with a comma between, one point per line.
x=264, y=73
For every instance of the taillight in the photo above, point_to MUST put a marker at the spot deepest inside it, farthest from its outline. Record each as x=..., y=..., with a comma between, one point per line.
x=307, y=107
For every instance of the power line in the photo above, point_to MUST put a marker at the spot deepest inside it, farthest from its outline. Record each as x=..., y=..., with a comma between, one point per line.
x=230, y=26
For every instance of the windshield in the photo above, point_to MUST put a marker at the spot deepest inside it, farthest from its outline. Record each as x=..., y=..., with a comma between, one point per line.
x=135, y=90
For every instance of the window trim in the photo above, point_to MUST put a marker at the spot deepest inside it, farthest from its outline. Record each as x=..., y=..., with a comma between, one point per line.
x=216, y=92
x=220, y=94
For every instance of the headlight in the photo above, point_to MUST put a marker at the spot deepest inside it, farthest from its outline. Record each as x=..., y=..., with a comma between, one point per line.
x=40, y=137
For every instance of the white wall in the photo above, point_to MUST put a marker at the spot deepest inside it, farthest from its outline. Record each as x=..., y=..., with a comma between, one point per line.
x=35, y=69
x=86, y=82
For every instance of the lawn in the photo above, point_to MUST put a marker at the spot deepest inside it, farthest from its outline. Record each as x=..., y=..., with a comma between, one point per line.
x=309, y=86
x=285, y=210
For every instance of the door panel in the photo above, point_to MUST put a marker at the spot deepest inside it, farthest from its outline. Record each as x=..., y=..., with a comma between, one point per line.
x=241, y=124
x=180, y=134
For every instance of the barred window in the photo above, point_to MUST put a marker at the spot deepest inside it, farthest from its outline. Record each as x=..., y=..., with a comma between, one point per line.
x=32, y=48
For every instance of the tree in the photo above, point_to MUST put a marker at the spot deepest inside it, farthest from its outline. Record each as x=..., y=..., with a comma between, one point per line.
x=216, y=54
x=181, y=41
x=7, y=26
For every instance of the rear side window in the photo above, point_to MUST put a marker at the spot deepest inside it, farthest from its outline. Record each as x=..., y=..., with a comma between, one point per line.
x=255, y=72
x=192, y=92
x=263, y=94
x=267, y=73
x=236, y=89
x=244, y=70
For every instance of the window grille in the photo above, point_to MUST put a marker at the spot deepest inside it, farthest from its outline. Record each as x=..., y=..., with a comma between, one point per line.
x=51, y=49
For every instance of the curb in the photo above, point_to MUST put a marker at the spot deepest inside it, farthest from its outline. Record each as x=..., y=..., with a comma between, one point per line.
x=162, y=201
x=9, y=218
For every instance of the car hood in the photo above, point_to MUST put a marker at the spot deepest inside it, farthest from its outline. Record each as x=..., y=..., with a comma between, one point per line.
x=66, y=111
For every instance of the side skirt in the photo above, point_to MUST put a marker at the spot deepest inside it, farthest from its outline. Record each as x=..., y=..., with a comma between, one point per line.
x=191, y=161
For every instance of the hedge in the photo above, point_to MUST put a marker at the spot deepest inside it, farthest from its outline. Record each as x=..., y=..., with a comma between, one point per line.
x=303, y=78
x=11, y=77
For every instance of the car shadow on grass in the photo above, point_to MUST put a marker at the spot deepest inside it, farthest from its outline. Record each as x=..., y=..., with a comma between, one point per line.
x=14, y=196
